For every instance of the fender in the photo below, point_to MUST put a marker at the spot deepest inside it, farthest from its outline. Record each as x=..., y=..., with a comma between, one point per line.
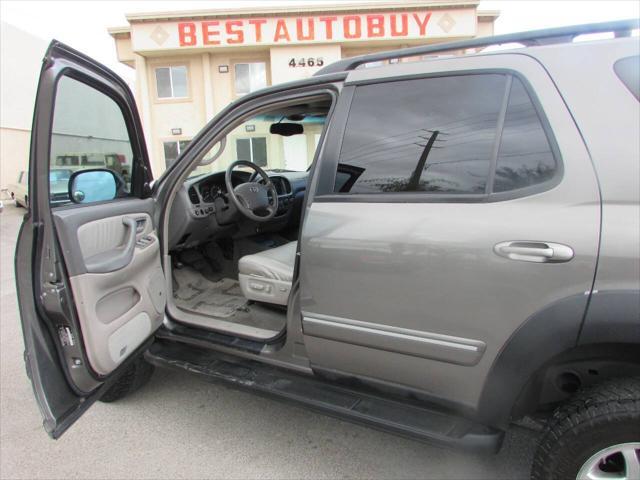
x=613, y=317
x=608, y=319
x=546, y=334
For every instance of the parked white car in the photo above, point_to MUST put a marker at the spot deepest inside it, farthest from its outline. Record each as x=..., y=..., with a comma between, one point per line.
x=58, y=179
x=19, y=190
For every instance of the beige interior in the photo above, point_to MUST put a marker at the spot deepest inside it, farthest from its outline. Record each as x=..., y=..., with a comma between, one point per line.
x=267, y=276
x=120, y=309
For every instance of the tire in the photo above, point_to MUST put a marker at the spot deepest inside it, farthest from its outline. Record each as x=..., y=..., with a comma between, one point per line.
x=135, y=377
x=595, y=419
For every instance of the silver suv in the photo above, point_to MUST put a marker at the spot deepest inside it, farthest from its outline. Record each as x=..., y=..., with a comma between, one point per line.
x=437, y=248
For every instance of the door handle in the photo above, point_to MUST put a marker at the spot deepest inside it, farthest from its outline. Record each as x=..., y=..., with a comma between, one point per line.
x=118, y=258
x=530, y=251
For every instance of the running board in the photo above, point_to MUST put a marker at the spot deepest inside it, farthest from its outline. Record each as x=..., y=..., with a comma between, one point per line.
x=411, y=420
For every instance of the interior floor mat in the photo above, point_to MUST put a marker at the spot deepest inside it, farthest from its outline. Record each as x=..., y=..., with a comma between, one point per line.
x=222, y=299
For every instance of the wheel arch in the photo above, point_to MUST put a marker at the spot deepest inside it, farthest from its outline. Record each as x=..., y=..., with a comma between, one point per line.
x=521, y=379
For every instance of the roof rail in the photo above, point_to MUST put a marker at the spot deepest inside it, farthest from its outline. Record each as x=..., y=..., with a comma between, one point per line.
x=531, y=38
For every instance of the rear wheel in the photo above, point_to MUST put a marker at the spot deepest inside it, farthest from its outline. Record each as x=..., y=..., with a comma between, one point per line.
x=596, y=435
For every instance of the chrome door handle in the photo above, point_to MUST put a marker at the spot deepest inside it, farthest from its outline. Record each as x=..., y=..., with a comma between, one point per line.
x=531, y=251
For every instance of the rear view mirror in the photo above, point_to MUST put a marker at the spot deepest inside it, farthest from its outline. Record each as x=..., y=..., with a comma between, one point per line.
x=286, y=129
x=96, y=185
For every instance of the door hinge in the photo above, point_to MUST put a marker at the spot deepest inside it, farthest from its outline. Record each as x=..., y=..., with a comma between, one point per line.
x=53, y=298
x=50, y=266
x=55, y=303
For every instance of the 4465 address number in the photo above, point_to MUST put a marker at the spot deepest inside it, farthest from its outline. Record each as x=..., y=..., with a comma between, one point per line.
x=306, y=62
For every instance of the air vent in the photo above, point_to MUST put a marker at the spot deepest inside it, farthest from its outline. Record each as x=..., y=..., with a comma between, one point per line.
x=193, y=196
x=286, y=186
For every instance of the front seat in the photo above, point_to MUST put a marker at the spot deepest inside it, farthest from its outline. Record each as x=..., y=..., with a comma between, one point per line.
x=267, y=276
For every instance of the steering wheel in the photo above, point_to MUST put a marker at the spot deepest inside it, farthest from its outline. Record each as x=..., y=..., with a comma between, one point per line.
x=252, y=198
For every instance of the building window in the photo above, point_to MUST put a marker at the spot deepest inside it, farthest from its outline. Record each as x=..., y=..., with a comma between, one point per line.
x=172, y=150
x=250, y=77
x=171, y=82
x=67, y=161
x=253, y=150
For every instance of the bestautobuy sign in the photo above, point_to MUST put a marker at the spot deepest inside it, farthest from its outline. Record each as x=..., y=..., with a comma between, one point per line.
x=321, y=28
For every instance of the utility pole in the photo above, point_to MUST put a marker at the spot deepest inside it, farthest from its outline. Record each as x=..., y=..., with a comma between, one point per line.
x=414, y=181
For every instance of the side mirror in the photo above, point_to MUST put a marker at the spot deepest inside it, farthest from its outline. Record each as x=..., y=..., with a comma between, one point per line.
x=95, y=185
x=286, y=129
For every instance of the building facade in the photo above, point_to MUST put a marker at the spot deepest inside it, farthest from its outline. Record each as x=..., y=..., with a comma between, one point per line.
x=21, y=55
x=190, y=65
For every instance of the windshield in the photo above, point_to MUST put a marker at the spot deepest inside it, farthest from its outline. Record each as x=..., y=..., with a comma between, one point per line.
x=291, y=148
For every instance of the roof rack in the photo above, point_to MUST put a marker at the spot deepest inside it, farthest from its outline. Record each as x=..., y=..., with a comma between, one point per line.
x=532, y=38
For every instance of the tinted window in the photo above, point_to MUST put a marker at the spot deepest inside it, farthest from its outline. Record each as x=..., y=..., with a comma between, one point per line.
x=432, y=135
x=88, y=126
x=525, y=157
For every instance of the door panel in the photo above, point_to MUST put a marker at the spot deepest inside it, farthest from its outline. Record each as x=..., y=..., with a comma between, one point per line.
x=121, y=308
x=408, y=289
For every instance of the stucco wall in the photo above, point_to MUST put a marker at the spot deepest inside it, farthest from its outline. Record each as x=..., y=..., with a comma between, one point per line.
x=14, y=154
x=21, y=55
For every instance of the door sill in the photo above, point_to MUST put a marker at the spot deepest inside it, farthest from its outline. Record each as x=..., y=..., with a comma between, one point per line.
x=195, y=321
x=412, y=420
x=205, y=338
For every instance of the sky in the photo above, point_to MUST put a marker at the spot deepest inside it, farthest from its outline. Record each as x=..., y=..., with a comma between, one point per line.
x=83, y=24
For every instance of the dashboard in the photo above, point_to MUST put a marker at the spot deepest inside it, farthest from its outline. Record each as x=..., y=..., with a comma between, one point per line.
x=202, y=208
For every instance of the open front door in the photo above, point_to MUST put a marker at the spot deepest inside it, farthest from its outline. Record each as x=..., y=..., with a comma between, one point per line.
x=89, y=278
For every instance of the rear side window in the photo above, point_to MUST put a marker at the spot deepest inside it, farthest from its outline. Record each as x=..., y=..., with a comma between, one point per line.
x=429, y=135
x=524, y=158
x=628, y=71
x=444, y=135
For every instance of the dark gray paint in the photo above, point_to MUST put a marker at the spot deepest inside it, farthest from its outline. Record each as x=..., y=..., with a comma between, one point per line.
x=430, y=267
x=613, y=317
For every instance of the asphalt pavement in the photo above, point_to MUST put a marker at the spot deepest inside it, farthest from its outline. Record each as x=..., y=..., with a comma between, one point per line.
x=178, y=426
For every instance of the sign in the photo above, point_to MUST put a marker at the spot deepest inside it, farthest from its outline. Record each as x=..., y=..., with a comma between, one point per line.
x=292, y=30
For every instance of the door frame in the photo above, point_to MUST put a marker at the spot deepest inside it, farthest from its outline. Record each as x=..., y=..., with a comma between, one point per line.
x=167, y=187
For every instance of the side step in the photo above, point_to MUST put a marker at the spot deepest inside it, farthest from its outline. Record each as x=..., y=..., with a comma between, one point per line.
x=415, y=421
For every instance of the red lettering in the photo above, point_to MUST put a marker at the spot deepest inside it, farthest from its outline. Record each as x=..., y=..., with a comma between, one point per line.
x=281, y=31
x=257, y=25
x=187, y=34
x=375, y=26
x=422, y=24
x=299, y=31
x=208, y=32
x=394, y=26
x=328, y=26
x=351, y=21
x=239, y=34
